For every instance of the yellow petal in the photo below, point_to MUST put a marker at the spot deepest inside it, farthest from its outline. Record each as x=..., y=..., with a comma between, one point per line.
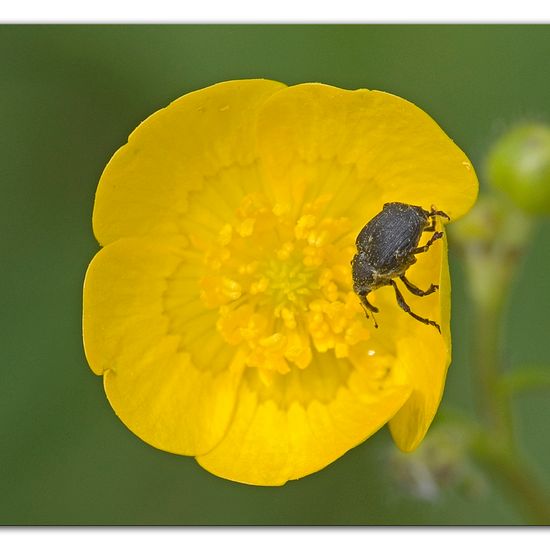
x=166, y=369
x=203, y=141
x=424, y=353
x=302, y=421
x=364, y=147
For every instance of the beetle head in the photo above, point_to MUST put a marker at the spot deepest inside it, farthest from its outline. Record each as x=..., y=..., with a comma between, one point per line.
x=362, y=273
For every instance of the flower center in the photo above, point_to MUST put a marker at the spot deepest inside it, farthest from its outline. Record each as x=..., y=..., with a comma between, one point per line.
x=282, y=285
x=289, y=283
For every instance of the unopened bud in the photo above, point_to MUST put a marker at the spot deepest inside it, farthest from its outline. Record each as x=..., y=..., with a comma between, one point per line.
x=519, y=165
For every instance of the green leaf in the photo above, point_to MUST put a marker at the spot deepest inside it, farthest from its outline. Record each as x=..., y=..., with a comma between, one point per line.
x=525, y=378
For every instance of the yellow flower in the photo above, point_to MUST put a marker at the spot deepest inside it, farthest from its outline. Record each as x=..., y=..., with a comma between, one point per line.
x=220, y=310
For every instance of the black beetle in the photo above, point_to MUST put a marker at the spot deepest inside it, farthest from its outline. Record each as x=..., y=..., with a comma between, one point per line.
x=386, y=248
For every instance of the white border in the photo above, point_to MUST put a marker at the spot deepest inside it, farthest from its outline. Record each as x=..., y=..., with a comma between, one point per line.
x=275, y=11
x=275, y=538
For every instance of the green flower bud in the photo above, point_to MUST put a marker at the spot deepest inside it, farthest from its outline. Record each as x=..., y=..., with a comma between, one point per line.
x=519, y=165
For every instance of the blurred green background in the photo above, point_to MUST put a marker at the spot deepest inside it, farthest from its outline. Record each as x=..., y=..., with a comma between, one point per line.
x=70, y=95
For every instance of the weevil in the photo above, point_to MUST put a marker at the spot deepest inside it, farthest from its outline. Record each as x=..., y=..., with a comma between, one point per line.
x=386, y=248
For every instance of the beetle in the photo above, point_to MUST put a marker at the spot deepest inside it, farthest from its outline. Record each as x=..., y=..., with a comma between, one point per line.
x=386, y=248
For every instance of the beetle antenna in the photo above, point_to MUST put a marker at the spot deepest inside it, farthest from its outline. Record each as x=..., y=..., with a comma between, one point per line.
x=374, y=320
x=366, y=310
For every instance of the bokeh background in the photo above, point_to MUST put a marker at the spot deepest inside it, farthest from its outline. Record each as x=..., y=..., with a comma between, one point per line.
x=69, y=97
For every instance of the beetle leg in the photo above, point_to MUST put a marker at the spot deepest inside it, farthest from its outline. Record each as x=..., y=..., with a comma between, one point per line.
x=431, y=227
x=367, y=306
x=405, y=307
x=415, y=290
x=435, y=212
x=435, y=236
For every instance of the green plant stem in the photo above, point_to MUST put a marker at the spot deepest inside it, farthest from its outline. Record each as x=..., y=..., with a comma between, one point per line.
x=494, y=407
x=493, y=240
x=496, y=448
x=516, y=477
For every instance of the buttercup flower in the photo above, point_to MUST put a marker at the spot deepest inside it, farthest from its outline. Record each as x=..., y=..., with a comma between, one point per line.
x=220, y=310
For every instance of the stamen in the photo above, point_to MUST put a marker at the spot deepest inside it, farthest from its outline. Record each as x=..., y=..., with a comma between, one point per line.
x=281, y=285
